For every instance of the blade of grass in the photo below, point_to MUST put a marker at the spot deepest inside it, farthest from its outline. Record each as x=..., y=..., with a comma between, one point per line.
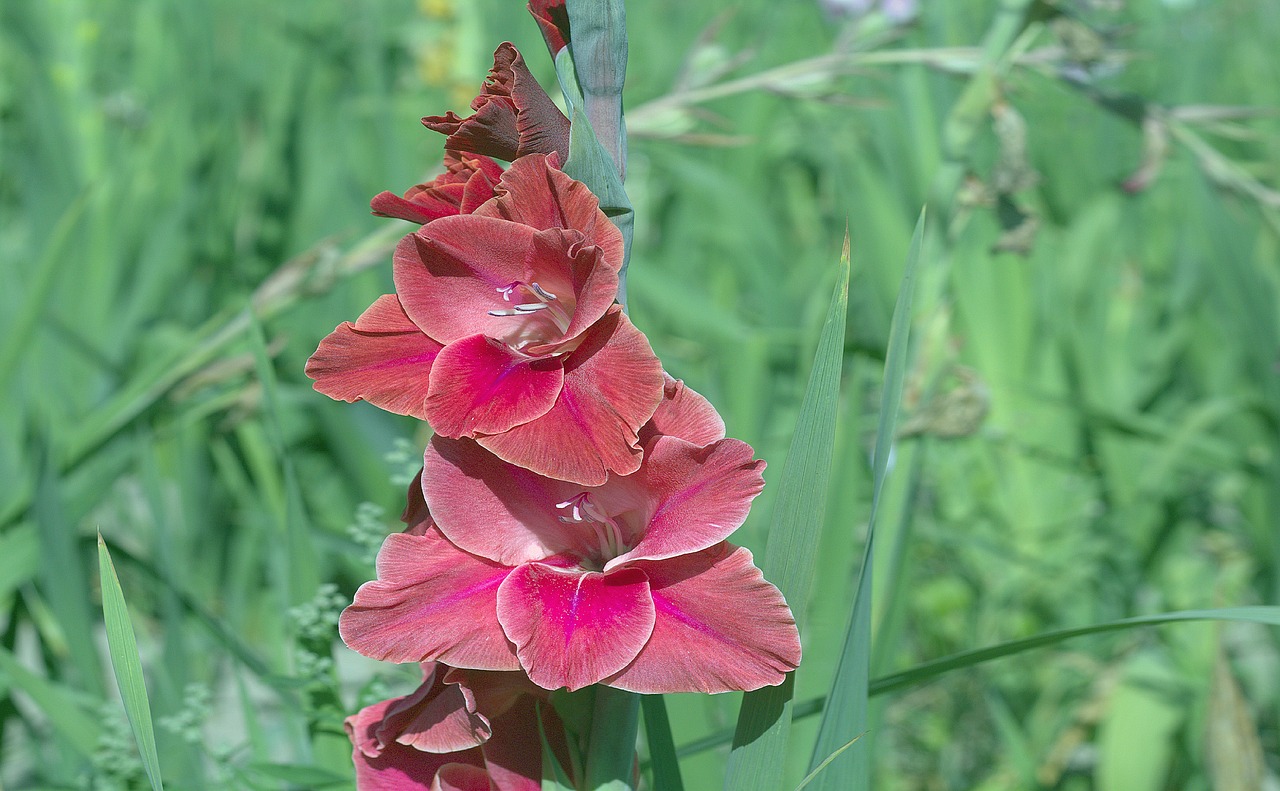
x=56, y=702
x=759, y=750
x=928, y=671
x=1269, y=616
x=846, y=717
x=123, y=647
x=662, y=748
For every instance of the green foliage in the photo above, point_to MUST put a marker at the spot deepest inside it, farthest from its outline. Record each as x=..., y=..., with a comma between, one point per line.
x=123, y=647
x=1090, y=414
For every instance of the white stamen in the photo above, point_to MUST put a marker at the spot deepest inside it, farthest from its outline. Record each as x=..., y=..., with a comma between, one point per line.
x=542, y=292
x=532, y=307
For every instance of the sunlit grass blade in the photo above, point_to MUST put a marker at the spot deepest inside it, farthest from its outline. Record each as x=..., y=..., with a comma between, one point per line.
x=662, y=749
x=123, y=647
x=1269, y=616
x=764, y=722
x=827, y=762
x=846, y=715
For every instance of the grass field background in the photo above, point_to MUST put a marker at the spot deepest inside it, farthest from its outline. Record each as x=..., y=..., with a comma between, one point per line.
x=1092, y=412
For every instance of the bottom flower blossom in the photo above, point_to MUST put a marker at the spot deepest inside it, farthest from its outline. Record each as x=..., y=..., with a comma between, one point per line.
x=460, y=730
x=629, y=584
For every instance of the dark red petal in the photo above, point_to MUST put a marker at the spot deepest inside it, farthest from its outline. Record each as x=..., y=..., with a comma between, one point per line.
x=431, y=601
x=571, y=627
x=612, y=385
x=483, y=386
x=513, y=115
x=514, y=757
x=395, y=767
x=719, y=626
x=416, y=516
x=461, y=777
x=685, y=414
x=438, y=717
x=553, y=19
x=383, y=358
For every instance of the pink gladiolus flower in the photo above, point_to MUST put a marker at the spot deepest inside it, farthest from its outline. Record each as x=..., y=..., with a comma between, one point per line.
x=629, y=583
x=461, y=729
x=503, y=329
x=513, y=116
x=553, y=18
x=466, y=183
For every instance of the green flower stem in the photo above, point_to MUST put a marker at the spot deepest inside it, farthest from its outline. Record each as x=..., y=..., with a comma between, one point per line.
x=611, y=751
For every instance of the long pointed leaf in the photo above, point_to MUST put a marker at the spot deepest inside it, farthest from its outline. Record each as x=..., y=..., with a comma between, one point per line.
x=846, y=716
x=662, y=748
x=123, y=646
x=764, y=723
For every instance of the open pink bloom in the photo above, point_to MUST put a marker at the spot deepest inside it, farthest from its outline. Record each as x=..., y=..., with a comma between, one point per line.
x=629, y=583
x=466, y=183
x=460, y=730
x=553, y=18
x=503, y=329
x=513, y=115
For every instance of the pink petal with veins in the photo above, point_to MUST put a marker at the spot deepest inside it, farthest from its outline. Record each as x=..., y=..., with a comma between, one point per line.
x=695, y=496
x=612, y=385
x=431, y=601
x=383, y=358
x=573, y=628
x=535, y=193
x=451, y=273
x=483, y=386
x=685, y=414
x=718, y=626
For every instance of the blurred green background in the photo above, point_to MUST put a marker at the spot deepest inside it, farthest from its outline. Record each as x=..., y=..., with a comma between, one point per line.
x=1091, y=420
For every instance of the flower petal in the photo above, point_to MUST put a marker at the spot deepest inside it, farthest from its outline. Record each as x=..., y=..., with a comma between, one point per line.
x=394, y=767
x=438, y=717
x=513, y=116
x=484, y=386
x=514, y=757
x=383, y=358
x=553, y=18
x=494, y=509
x=431, y=601
x=460, y=777
x=719, y=626
x=573, y=628
x=451, y=273
x=416, y=517
x=535, y=193
x=694, y=496
x=685, y=414
x=466, y=183
x=612, y=385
